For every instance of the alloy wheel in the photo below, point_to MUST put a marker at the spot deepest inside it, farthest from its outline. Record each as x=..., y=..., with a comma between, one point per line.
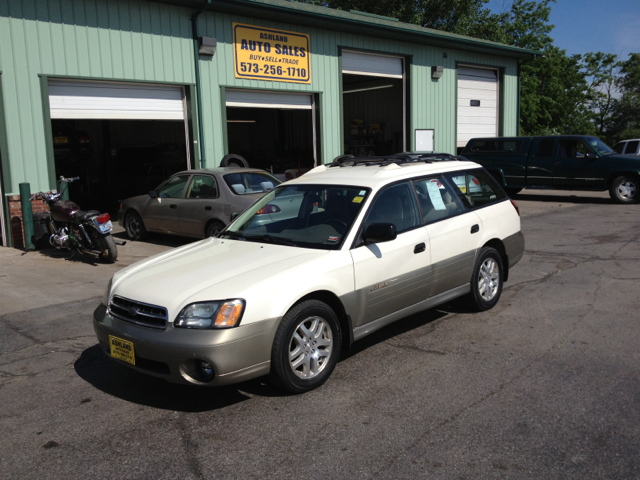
x=310, y=347
x=488, y=279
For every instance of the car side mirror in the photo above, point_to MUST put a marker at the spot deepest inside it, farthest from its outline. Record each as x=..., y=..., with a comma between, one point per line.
x=153, y=194
x=380, y=232
x=234, y=216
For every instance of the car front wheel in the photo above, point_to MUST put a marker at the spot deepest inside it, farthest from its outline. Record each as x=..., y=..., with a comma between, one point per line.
x=624, y=189
x=486, y=282
x=306, y=347
x=134, y=226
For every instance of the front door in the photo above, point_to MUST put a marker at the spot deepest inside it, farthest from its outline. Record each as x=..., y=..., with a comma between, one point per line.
x=577, y=166
x=161, y=213
x=198, y=204
x=392, y=275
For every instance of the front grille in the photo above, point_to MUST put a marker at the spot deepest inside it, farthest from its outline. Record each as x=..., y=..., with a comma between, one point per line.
x=138, y=312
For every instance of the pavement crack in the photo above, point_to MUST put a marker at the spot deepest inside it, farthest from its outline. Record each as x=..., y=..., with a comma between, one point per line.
x=189, y=447
x=417, y=349
x=17, y=331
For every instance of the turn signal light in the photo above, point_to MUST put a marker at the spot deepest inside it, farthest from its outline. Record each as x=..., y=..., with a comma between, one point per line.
x=104, y=218
x=267, y=209
x=229, y=314
x=515, y=205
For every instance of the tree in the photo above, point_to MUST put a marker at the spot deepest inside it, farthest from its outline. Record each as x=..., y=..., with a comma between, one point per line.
x=626, y=112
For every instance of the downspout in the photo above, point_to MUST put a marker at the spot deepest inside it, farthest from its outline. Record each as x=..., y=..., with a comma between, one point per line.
x=196, y=58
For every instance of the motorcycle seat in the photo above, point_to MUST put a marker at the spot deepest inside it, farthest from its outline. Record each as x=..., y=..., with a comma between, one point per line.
x=82, y=215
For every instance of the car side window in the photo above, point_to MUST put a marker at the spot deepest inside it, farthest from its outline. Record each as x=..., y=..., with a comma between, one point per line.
x=545, y=148
x=436, y=199
x=572, y=148
x=476, y=188
x=173, y=187
x=619, y=148
x=395, y=204
x=202, y=186
x=632, y=147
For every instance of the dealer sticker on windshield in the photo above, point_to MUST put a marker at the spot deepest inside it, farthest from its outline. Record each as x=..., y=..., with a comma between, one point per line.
x=357, y=199
x=122, y=350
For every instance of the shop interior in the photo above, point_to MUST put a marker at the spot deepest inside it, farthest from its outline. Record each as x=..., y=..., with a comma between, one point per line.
x=274, y=139
x=116, y=159
x=373, y=115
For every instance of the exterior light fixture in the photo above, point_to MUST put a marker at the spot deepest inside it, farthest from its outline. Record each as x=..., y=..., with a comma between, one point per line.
x=207, y=46
x=436, y=71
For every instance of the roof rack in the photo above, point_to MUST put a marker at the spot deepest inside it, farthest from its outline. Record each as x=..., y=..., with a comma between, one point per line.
x=398, y=159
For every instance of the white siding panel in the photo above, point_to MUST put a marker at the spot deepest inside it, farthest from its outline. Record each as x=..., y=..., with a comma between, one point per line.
x=115, y=101
x=254, y=99
x=370, y=64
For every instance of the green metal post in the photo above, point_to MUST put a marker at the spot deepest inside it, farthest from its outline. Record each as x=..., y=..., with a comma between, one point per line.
x=63, y=188
x=27, y=216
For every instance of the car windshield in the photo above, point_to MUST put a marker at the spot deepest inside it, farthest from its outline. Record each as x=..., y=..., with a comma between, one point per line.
x=309, y=216
x=600, y=147
x=250, y=182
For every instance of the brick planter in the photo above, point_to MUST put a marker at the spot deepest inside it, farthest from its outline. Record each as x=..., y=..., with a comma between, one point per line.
x=15, y=217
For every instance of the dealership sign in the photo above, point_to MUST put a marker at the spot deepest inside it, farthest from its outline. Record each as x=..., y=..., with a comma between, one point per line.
x=267, y=54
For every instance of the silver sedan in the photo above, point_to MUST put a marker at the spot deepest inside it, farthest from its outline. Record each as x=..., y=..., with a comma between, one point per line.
x=194, y=203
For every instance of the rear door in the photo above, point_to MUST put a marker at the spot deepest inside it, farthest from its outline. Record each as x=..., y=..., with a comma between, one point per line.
x=540, y=166
x=392, y=275
x=161, y=213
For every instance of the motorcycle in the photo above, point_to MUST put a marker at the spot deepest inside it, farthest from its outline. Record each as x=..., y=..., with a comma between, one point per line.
x=77, y=230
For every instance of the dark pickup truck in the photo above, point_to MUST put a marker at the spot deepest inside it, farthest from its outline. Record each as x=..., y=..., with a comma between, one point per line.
x=562, y=162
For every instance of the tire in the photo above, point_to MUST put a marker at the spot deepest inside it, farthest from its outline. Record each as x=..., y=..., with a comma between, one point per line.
x=624, y=189
x=213, y=228
x=297, y=364
x=486, y=281
x=233, y=160
x=110, y=251
x=134, y=226
x=512, y=192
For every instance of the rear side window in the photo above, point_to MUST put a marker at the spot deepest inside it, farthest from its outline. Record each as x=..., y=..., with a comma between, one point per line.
x=437, y=200
x=476, y=188
x=507, y=146
x=202, y=186
x=545, y=148
x=632, y=147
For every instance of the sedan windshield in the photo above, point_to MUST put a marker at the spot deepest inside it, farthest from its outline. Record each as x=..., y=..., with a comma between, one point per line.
x=601, y=147
x=310, y=216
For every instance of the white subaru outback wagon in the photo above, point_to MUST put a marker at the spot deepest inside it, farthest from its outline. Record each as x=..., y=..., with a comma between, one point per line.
x=316, y=264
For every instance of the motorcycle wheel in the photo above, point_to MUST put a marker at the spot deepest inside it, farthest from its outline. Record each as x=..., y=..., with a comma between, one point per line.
x=109, y=250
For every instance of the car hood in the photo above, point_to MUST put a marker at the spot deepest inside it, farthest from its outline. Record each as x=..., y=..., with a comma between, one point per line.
x=212, y=269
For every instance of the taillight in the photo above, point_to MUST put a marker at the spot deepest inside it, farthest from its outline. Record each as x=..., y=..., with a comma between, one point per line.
x=84, y=139
x=103, y=218
x=515, y=205
x=267, y=209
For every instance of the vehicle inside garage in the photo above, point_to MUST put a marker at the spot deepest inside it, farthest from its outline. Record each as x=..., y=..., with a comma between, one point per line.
x=120, y=139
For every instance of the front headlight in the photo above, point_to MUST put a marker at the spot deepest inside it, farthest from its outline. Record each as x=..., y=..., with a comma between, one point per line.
x=223, y=314
x=105, y=297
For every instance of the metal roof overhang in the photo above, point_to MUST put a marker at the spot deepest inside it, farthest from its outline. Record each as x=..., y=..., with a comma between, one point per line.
x=371, y=25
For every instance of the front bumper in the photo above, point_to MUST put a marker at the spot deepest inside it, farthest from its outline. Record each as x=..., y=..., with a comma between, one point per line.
x=236, y=354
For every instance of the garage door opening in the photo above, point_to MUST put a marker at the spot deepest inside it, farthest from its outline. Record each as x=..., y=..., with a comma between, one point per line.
x=272, y=131
x=373, y=104
x=121, y=139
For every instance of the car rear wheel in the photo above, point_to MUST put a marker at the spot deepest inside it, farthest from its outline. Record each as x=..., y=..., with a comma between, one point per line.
x=486, y=282
x=214, y=228
x=624, y=189
x=306, y=347
x=134, y=226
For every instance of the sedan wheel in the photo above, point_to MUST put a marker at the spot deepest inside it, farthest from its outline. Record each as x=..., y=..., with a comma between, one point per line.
x=306, y=347
x=134, y=226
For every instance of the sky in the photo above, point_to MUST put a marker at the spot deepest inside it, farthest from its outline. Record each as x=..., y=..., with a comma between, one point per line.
x=582, y=26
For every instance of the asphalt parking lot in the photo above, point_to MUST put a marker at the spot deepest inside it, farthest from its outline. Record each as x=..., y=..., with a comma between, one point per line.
x=545, y=385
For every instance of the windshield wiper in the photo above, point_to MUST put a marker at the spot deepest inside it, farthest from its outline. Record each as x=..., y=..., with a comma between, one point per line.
x=271, y=239
x=237, y=236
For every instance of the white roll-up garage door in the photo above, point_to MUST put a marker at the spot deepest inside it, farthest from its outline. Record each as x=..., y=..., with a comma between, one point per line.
x=115, y=101
x=358, y=63
x=254, y=99
x=477, y=103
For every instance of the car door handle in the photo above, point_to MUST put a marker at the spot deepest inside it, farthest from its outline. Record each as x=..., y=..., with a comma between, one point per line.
x=421, y=247
x=173, y=205
x=208, y=207
x=475, y=229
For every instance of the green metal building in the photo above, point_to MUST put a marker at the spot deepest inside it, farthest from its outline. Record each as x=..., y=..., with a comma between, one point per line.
x=124, y=92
